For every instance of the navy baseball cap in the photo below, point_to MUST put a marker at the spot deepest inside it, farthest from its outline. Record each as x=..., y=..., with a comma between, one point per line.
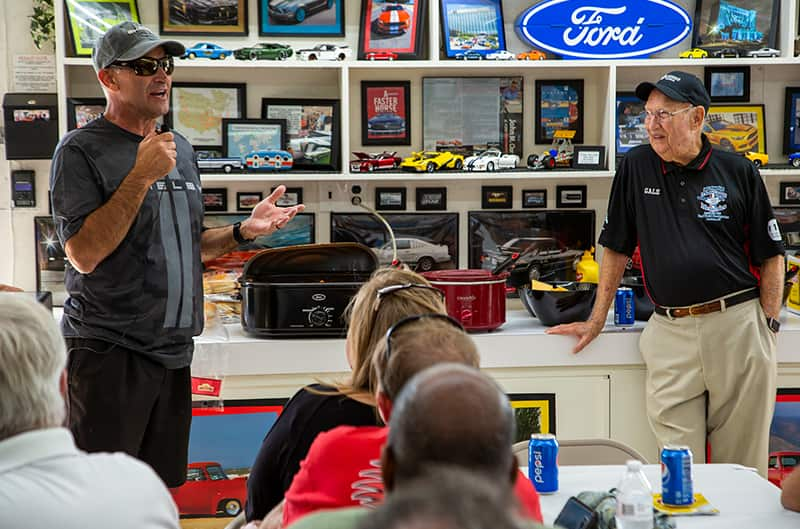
x=677, y=85
x=128, y=41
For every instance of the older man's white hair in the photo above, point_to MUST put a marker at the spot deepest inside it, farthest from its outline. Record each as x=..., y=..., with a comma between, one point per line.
x=32, y=358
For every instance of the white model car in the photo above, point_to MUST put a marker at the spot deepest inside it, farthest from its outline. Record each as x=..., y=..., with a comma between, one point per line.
x=764, y=52
x=326, y=52
x=416, y=253
x=501, y=55
x=491, y=160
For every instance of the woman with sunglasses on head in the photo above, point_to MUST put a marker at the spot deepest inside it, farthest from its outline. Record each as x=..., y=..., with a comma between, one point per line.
x=390, y=295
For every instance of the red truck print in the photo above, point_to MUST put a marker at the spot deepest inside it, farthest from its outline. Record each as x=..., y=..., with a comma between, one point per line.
x=781, y=465
x=209, y=491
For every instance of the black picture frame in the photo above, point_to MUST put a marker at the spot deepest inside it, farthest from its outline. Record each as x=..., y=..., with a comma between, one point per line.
x=487, y=15
x=375, y=38
x=728, y=84
x=571, y=196
x=534, y=198
x=791, y=116
x=328, y=21
x=497, y=197
x=247, y=200
x=431, y=198
x=81, y=110
x=385, y=112
x=203, y=17
x=630, y=131
x=204, y=105
x=291, y=197
x=215, y=199
x=789, y=222
x=390, y=198
x=51, y=259
x=790, y=193
x=555, y=96
x=706, y=33
x=591, y=157
x=307, y=141
x=267, y=132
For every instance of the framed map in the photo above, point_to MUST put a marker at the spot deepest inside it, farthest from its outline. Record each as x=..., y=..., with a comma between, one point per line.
x=197, y=110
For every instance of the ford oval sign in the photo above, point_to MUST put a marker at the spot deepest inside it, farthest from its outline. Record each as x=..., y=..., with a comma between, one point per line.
x=604, y=29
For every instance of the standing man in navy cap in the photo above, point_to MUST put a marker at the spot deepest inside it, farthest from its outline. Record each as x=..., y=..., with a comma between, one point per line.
x=712, y=261
x=127, y=203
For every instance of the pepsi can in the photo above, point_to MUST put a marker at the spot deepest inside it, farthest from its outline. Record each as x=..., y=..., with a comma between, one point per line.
x=623, y=307
x=676, y=475
x=543, y=462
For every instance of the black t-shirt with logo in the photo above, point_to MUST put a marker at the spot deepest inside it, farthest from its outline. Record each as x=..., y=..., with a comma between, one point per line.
x=147, y=295
x=703, y=229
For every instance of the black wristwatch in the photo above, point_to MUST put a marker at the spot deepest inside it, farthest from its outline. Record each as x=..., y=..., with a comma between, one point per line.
x=773, y=324
x=237, y=234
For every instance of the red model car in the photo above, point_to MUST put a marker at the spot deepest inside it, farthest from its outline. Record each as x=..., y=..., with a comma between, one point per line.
x=366, y=162
x=781, y=465
x=208, y=490
x=380, y=55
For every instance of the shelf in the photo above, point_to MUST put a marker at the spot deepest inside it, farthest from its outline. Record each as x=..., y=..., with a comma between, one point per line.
x=393, y=176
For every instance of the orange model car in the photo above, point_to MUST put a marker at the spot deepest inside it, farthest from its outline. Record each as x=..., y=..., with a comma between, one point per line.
x=532, y=55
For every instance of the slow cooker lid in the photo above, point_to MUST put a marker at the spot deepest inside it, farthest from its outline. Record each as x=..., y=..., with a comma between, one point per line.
x=339, y=258
x=463, y=276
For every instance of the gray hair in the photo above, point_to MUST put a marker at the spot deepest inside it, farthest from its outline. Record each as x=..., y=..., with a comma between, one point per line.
x=32, y=358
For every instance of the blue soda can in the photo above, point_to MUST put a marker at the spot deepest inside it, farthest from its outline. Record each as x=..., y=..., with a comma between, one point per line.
x=676, y=475
x=623, y=307
x=543, y=462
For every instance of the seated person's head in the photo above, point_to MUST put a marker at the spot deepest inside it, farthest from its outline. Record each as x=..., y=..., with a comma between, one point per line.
x=32, y=361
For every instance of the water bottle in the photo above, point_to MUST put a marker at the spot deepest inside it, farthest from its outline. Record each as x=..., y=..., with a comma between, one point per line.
x=634, y=499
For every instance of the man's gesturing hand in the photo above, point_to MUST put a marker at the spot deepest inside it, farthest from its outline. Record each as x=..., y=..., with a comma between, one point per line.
x=267, y=217
x=156, y=157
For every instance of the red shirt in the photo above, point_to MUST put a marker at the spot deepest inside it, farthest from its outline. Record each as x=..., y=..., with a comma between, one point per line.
x=343, y=469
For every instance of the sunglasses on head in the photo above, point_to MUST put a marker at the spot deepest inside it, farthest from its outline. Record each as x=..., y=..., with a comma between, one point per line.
x=417, y=317
x=147, y=66
x=391, y=289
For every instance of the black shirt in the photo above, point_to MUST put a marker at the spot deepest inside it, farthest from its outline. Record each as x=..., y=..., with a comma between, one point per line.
x=702, y=229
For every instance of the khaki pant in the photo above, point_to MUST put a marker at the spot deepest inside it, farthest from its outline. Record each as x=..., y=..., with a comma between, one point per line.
x=713, y=375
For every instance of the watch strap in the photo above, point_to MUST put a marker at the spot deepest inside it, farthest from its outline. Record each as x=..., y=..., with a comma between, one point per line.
x=237, y=234
x=774, y=324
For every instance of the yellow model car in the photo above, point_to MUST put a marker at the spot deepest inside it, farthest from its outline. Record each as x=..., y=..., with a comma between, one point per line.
x=736, y=137
x=430, y=161
x=758, y=158
x=694, y=53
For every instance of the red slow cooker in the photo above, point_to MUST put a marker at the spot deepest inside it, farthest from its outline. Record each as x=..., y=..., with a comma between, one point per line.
x=476, y=298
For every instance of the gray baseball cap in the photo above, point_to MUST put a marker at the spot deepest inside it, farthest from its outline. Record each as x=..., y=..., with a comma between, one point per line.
x=128, y=41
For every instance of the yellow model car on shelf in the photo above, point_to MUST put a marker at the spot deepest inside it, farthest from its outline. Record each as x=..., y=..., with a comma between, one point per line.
x=430, y=161
x=758, y=158
x=694, y=53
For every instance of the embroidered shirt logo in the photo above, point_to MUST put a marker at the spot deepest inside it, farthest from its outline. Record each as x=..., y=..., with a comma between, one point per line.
x=655, y=191
x=712, y=202
x=368, y=489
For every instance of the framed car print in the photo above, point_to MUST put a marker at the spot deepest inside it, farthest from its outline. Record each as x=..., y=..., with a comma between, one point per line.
x=559, y=106
x=391, y=30
x=390, y=198
x=570, y=196
x=301, y=18
x=240, y=137
x=736, y=128
x=728, y=84
x=472, y=28
x=791, y=116
x=215, y=199
x=202, y=17
x=291, y=197
x=431, y=198
x=312, y=130
x=534, y=198
x=88, y=19
x=738, y=25
x=790, y=193
x=82, y=110
x=385, y=113
x=630, y=130
x=197, y=110
x=247, y=200
x=496, y=197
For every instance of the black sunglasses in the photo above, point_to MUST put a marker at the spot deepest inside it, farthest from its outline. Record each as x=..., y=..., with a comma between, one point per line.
x=391, y=289
x=417, y=317
x=147, y=66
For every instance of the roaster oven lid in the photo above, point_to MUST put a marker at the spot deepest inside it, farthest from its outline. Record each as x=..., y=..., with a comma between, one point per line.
x=340, y=258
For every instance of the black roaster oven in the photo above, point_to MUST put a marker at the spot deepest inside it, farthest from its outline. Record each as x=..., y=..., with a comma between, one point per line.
x=302, y=291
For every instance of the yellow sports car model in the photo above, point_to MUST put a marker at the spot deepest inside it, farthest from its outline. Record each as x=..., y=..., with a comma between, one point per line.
x=694, y=53
x=431, y=161
x=758, y=158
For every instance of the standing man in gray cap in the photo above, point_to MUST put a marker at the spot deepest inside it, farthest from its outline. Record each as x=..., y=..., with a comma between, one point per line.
x=127, y=203
x=712, y=261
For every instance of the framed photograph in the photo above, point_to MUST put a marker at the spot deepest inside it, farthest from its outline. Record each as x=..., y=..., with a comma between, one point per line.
x=496, y=197
x=301, y=18
x=243, y=136
x=736, y=128
x=570, y=196
x=215, y=199
x=472, y=25
x=630, y=130
x=292, y=197
x=784, y=432
x=82, y=110
x=51, y=260
x=202, y=17
x=534, y=198
x=534, y=413
x=390, y=198
x=791, y=116
x=790, y=192
x=431, y=198
x=312, y=130
x=559, y=106
x=88, y=19
x=589, y=157
x=393, y=30
x=247, y=200
x=385, y=113
x=743, y=25
x=728, y=84
x=789, y=221
x=197, y=110
x=425, y=241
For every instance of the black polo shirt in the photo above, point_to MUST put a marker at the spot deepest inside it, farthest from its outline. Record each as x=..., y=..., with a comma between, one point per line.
x=703, y=229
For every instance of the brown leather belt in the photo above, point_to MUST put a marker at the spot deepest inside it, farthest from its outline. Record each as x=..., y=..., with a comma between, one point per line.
x=707, y=308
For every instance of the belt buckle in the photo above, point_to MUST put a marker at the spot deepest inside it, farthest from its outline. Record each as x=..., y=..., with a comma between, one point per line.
x=692, y=309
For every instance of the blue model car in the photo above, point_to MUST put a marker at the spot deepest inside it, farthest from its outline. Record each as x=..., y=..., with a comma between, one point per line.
x=386, y=123
x=794, y=159
x=206, y=50
x=296, y=11
x=469, y=55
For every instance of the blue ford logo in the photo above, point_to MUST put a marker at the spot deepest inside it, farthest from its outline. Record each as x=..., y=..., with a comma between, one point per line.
x=604, y=29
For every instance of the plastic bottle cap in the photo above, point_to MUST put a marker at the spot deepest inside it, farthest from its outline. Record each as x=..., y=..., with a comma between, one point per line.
x=634, y=464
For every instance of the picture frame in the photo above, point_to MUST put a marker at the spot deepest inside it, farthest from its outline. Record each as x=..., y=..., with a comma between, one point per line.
x=791, y=116
x=324, y=19
x=789, y=222
x=571, y=196
x=390, y=198
x=630, y=131
x=380, y=33
x=591, y=157
x=51, y=259
x=88, y=19
x=196, y=110
x=534, y=413
x=242, y=136
x=790, y=192
x=385, y=112
x=497, y=197
x=247, y=200
x=312, y=130
x=431, y=198
x=459, y=17
x=203, y=17
x=712, y=17
x=728, y=84
x=725, y=123
x=291, y=197
x=534, y=198
x=559, y=105
x=215, y=199
x=784, y=431
x=82, y=110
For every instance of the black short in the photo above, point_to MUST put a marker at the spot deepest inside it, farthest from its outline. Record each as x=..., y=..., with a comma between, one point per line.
x=122, y=401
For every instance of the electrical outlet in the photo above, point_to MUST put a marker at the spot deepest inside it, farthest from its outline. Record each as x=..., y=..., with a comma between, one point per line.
x=337, y=196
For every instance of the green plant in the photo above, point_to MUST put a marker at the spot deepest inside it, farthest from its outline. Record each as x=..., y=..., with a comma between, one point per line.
x=43, y=25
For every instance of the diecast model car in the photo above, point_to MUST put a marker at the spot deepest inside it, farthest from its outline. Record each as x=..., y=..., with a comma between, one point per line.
x=532, y=55
x=296, y=11
x=269, y=160
x=727, y=52
x=781, y=464
x=469, y=55
x=421, y=255
x=208, y=490
x=264, y=50
x=500, y=55
x=227, y=165
x=764, y=52
x=430, y=161
x=694, y=53
x=386, y=123
x=490, y=160
x=206, y=50
x=737, y=137
x=380, y=55
x=326, y=52
x=393, y=20
x=368, y=162
x=794, y=159
x=560, y=153
x=758, y=158
x=220, y=12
